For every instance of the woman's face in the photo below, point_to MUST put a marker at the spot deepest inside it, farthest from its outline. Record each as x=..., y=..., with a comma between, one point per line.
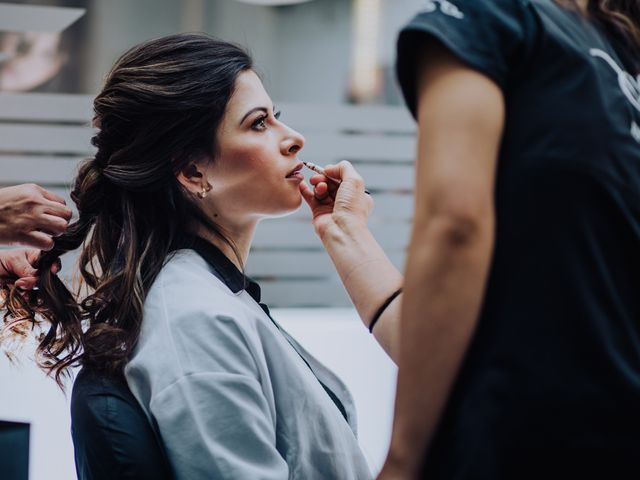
x=255, y=172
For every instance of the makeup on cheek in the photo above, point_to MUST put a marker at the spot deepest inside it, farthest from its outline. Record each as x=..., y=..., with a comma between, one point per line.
x=320, y=170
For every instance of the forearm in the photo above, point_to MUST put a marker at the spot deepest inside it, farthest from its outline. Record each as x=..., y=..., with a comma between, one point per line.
x=369, y=278
x=444, y=287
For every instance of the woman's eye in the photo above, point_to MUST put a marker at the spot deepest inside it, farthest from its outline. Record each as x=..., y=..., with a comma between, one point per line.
x=260, y=123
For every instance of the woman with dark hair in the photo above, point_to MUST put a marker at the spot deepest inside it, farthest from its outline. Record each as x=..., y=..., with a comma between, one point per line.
x=190, y=157
x=520, y=330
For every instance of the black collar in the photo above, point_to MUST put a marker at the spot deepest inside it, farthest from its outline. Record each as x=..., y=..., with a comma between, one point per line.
x=224, y=268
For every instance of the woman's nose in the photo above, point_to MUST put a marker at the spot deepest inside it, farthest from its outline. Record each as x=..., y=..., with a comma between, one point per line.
x=293, y=142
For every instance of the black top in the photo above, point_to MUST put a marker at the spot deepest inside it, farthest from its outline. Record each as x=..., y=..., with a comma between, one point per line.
x=112, y=438
x=553, y=371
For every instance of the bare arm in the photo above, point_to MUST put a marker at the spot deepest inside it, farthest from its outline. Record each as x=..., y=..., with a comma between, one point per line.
x=340, y=219
x=461, y=119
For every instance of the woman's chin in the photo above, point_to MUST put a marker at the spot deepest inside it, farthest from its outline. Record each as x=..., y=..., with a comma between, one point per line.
x=291, y=206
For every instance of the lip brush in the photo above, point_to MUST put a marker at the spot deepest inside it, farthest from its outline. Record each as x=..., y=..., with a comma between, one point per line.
x=320, y=170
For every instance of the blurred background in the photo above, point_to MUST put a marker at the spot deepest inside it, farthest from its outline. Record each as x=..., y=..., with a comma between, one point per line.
x=328, y=65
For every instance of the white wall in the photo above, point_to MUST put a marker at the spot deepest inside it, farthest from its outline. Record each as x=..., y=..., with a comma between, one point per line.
x=334, y=336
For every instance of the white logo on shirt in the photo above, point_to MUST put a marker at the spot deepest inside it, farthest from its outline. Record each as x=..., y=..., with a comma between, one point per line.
x=630, y=86
x=446, y=7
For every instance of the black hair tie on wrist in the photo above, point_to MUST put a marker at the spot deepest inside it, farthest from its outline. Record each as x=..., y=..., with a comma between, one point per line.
x=384, y=306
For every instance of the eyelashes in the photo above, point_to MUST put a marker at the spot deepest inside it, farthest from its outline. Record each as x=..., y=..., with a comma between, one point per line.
x=261, y=122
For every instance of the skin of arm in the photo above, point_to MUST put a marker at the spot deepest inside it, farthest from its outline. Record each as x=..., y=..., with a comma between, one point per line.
x=340, y=219
x=461, y=119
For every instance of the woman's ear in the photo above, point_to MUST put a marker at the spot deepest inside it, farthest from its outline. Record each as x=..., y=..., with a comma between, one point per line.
x=191, y=178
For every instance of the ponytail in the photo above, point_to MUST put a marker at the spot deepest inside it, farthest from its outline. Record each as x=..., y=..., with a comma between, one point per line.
x=52, y=303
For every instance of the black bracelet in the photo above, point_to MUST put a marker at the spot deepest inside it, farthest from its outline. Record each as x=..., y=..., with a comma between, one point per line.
x=384, y=306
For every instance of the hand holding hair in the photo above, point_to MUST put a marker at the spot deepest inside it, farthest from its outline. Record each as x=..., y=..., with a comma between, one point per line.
x=31, y=216
x=18, y=267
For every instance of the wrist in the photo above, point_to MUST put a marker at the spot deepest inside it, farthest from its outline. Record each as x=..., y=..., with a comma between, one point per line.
x=343, y=232
x=351, y=223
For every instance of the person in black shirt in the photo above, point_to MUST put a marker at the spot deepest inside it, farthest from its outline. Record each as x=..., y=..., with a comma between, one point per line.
x=520, y=342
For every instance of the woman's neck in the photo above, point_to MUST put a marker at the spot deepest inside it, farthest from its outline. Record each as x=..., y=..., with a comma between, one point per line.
x=240, y=237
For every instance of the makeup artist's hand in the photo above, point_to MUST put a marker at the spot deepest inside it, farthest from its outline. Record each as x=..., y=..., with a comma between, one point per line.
x=344, y=206
x=17, y=267
x=340, y=215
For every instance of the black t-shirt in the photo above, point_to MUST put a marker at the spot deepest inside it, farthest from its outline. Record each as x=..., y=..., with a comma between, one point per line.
x=553, y=371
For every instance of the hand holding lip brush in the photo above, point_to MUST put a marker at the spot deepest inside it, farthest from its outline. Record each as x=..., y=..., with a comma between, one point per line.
x=320, y=170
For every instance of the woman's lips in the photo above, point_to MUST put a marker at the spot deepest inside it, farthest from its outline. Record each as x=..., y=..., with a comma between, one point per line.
x=296, y=170
x=296, y=176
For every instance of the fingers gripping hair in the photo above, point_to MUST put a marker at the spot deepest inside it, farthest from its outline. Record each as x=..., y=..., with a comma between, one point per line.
x=53, y=305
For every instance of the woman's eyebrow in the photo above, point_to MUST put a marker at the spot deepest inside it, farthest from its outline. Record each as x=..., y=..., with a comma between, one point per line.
x=253, y=110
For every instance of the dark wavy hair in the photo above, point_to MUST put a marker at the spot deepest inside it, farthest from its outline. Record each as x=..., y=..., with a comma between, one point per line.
x=159, y=110
x=621, y=20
